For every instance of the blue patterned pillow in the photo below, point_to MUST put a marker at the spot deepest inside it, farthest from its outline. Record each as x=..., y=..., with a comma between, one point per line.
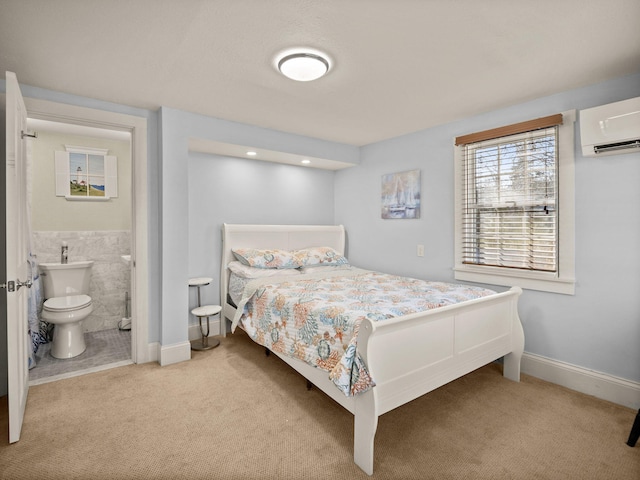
x=272, y=258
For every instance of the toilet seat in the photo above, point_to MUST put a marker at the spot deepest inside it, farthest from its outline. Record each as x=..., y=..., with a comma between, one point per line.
x=66, y=314
x=67, y=304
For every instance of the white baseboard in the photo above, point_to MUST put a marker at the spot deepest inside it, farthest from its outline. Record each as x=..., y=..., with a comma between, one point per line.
x=600, y=385
x=178, y=352
x=194, y=329
x=153, y=352
x=168, y=354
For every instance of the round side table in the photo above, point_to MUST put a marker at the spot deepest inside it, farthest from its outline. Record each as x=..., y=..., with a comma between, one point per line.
x=199, y=282
x=205, y=343
x=206, y=311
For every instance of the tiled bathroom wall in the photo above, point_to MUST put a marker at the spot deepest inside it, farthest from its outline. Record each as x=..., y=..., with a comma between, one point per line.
x=110, y=275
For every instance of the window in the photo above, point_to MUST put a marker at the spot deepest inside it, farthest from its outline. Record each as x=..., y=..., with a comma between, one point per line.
x=84, y=173
x=515, y=207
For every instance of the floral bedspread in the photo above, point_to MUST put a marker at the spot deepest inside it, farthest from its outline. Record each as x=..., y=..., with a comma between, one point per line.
x=315, y=317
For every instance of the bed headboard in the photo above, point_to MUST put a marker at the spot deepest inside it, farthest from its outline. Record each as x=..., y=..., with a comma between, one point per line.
x=285, y=237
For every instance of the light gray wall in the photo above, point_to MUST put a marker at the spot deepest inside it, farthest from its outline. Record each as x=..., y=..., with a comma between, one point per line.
x=235, y=190
x=599, y=327
x=176, y=128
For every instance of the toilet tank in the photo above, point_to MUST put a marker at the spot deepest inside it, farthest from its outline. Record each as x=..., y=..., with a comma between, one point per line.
x=64, y=279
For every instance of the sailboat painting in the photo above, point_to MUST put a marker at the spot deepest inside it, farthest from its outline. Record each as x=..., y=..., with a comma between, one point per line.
x=401, y=195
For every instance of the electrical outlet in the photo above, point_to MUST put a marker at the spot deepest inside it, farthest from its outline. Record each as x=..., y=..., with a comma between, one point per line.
x=421, y=250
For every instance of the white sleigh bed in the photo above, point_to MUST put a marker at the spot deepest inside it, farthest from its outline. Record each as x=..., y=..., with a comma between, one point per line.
x=407, y=356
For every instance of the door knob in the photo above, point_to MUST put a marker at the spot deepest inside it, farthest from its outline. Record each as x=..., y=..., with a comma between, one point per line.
x=27, y=284
x=12, y=286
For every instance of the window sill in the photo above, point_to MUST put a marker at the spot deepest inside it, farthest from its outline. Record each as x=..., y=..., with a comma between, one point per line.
x=515, y=278
x=76, y=198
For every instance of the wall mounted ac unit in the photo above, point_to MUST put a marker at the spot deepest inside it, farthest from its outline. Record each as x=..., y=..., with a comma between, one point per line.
x=611, y=129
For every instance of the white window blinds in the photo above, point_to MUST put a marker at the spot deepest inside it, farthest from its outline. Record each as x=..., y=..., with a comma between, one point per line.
x=510, y=196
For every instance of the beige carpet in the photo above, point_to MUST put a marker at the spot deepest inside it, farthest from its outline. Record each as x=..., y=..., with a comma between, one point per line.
x=232, y=413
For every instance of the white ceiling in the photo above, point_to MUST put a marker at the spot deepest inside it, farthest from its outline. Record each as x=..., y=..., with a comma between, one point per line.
x=398, y=66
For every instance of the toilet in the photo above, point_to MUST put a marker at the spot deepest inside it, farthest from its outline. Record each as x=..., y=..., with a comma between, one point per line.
x=66, y=288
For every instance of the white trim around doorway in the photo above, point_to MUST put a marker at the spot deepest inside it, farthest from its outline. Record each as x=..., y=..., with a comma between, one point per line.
x=137, y=126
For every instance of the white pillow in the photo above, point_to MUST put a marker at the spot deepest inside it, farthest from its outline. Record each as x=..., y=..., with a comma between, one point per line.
x=324, y=268
x=245, y=271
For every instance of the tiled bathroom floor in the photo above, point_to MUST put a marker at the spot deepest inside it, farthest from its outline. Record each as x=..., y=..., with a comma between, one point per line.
x=106, y=347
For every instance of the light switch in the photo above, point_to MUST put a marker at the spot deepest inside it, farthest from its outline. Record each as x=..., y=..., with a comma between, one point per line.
x=421, y=250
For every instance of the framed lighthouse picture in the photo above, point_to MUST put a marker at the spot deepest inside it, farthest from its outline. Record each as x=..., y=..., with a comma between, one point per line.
x=84, y=173
x=400, y=196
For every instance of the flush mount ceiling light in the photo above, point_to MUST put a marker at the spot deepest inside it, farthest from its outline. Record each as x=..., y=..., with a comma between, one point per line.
x=303, y=66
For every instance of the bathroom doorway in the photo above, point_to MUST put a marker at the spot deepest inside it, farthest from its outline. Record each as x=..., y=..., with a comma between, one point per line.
x=116, y=332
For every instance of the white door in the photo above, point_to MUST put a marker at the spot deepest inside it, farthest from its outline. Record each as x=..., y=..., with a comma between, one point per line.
x=17, y=274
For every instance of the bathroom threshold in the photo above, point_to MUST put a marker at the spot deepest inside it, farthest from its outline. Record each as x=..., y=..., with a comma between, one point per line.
x=78, y=373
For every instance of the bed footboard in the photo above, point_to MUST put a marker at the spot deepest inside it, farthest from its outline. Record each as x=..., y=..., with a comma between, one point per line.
x=416, y=354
